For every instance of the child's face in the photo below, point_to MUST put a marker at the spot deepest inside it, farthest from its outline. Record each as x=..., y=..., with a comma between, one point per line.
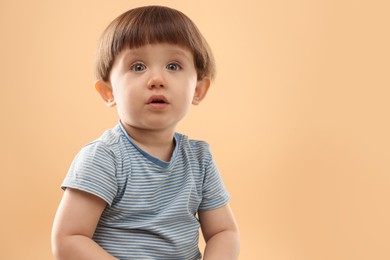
x=154, y=85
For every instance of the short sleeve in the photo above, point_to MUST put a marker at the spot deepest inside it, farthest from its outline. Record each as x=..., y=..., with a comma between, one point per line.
x=214, y=193
x=94, y=171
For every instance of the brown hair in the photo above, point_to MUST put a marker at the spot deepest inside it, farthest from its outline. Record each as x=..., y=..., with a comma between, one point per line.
x=152, y=24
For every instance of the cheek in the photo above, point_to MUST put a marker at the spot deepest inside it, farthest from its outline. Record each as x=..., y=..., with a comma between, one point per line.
x=124, y=97
x=190, y=88
x=187, y=97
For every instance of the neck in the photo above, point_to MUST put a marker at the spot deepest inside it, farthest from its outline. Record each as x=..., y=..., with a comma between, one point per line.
x=159, y=143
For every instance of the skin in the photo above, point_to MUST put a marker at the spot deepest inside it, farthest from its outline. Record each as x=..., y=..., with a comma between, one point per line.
x=139, y=76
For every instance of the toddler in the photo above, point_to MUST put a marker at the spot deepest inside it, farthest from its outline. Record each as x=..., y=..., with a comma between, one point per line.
x=142, y=190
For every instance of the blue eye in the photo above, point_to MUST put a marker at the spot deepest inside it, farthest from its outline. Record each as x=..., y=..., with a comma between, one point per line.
x=173, y=66
x=138, y=67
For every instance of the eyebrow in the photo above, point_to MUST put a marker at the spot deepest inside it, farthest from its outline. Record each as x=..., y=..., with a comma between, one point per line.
x=181, y=53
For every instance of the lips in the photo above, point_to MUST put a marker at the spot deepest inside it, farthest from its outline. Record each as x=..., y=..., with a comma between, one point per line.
x=157, y=99
x=157, y=103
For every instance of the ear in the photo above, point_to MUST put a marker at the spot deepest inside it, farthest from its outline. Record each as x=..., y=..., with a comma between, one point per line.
x=202, y=86
x=105, y=90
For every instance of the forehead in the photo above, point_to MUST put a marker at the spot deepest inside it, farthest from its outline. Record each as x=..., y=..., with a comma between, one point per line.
x=161, y=49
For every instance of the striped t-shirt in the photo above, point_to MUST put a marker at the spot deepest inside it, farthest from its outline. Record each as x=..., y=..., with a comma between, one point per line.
x=152, y=204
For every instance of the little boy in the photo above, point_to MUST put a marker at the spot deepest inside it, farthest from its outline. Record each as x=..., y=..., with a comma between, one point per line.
x=141, y=191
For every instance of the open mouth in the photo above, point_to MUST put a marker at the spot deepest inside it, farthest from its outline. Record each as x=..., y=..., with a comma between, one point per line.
x=157, y=100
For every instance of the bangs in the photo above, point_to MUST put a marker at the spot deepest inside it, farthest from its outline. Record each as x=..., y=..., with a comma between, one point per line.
x=156, y=26
x=148, y=25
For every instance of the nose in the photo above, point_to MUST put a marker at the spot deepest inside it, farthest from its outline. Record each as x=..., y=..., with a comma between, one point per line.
x=156, y=81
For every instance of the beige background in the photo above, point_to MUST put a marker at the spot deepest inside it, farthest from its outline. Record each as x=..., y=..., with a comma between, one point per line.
x=298, y=119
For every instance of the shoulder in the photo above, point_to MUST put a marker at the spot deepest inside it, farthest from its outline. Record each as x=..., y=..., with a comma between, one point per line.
x=198, y=149
x=110, y=137
x=95, y=168
x=192, y=143
x=107, y=146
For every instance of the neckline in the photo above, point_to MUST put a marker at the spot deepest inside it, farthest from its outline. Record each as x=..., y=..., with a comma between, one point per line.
x=149, y=157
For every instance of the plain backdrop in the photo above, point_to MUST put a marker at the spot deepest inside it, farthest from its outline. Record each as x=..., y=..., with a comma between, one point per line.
x=297, y=119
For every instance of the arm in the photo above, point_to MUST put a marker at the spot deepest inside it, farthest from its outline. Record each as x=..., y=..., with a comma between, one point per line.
x=74, y=226
x=220, y=232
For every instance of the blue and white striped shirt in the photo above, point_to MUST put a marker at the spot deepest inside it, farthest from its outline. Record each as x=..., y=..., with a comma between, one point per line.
x=152, y=204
